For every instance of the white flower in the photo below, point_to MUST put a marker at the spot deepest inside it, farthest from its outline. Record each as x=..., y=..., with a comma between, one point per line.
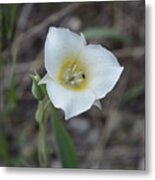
x=78, y=75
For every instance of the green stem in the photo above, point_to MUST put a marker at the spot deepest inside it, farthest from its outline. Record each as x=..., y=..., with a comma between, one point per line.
x=42, y=146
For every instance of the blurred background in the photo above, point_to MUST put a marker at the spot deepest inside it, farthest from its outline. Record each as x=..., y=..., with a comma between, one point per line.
x=111, y=139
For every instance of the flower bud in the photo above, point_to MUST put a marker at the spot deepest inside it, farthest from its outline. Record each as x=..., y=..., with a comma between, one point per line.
x=37, y=90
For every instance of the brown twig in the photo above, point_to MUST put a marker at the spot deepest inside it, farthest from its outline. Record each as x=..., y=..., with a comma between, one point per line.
x=24, y=16
x=36, y=31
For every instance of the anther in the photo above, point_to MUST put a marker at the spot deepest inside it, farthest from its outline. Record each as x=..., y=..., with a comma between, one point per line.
x=73, y=77
x=83, y=76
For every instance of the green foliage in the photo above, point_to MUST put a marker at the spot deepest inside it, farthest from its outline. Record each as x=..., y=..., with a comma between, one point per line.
x=7, y=22
x=41, y=117
x=42, y=146
x=65, y=147
x=4, y=150
x=133, y=92
x=106, y=32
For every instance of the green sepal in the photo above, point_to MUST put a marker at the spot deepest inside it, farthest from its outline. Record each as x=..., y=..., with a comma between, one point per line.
x=37, y=90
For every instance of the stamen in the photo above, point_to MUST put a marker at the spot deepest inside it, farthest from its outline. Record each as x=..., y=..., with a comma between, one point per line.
x=77, y=73
x=72, y=82
x=79, y=80
x=72, y=75
x=74, y=67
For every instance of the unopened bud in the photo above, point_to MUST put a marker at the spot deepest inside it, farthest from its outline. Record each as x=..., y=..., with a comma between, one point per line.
x=37, y=90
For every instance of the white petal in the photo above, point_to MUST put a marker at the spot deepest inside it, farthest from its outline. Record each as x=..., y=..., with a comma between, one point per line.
x=105, y=80
x=104, y=69
x=96, y=55
x=60, y=43
x=98, y=104
x=45, y=79
x=73, y=103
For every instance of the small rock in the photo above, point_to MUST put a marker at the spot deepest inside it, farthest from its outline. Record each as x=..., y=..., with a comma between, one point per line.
x=79, y=125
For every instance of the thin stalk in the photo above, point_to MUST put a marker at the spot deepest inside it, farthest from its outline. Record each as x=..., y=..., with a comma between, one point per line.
x=42, y=146
x=41, y=117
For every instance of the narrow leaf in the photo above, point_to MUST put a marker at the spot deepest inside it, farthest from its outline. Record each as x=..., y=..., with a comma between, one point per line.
x=134, y=92
x=106, y=32
x=65, y=147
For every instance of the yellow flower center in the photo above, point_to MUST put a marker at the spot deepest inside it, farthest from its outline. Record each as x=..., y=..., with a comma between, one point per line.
x=73, y=74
